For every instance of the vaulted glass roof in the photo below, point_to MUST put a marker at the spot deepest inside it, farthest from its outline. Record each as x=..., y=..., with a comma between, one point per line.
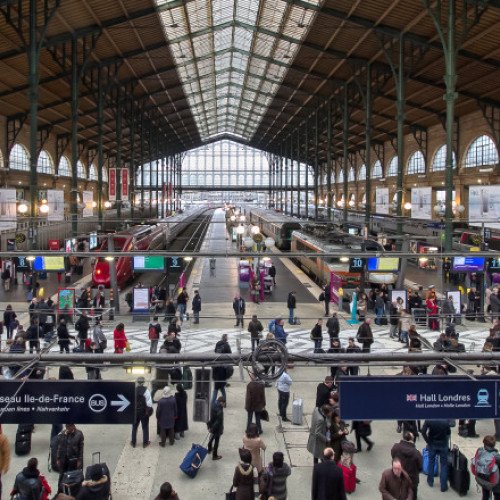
x=232, y=56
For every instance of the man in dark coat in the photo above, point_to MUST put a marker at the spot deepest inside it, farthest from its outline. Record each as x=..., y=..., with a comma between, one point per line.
x=328, y=479
x=411, y=459
x=28, y=483
x=324, y=392
x=333, y=327
x=216, y=426
x=365, y=335
x=291, y=303
x=395, y=483
x=255, y=401
x=239, y=309
x=328, y=297
x=82, y=326
x=436, y=434
x=317, y=335
x=166, y=413
x=196, y=306
x=255, y=329
x=181, y=422
x=70, y=450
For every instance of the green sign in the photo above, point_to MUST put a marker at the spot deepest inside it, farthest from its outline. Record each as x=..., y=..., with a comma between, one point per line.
x=149, y=263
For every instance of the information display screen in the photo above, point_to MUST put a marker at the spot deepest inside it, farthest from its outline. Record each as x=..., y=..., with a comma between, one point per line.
x=383, y=264
x=92, y=241
x=49, y=264
x=356, y=264
x=149, y=263
x=468, y=264
x=493, y=265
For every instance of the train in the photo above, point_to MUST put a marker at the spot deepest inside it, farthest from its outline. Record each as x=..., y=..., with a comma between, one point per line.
x=156, y=235
x=378, y=269
x=276, y=225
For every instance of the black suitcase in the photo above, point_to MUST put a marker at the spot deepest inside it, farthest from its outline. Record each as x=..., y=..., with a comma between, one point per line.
x=72, y=482
x=23, y=444
x=383, y=321
x=25, y=428
x=458, y=473
x=96, y=460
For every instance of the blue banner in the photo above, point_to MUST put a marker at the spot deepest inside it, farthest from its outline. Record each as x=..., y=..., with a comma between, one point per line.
x=419, y=398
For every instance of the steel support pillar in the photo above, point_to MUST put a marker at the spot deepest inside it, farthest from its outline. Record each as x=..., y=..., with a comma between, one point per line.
x=345, y=153
x=75, y=84
x=119, y=137
x=368, y=143
x=100, y=155
x=329, y=197
x=316, y=163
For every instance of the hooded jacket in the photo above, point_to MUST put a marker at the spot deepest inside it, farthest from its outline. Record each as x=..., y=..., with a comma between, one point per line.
x=28, y=484
x=410, y=458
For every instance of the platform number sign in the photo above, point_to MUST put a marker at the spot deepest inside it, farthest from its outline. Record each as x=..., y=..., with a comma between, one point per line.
x=356, y=264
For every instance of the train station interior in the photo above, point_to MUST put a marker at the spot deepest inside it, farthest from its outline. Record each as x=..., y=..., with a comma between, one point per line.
x=195, y=144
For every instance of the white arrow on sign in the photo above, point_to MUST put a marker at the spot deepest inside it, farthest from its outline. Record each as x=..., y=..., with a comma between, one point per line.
x=124, y=403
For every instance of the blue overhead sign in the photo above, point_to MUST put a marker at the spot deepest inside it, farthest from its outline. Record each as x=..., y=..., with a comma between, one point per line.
x=419, y=398
x=64, y=402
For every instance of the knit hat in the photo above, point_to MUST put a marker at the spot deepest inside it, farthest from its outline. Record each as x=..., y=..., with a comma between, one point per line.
x=166, y=391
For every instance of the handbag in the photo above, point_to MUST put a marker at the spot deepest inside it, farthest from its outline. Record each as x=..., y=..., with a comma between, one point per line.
x=127, y=346
x=231, y=495
x=264, y=415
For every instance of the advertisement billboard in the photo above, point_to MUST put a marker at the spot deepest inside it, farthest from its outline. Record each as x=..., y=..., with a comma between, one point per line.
x=468, y=264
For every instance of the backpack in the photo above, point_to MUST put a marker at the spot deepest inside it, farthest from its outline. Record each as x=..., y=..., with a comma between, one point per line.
x=153, y=332
x=272, y=326
x=485, y=469
x=140, y=401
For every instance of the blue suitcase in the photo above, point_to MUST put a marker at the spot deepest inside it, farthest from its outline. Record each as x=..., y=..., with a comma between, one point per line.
x=193, y=460
x=425, y=465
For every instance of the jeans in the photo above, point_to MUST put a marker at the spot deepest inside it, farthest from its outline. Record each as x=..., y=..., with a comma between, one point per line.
x=487, y=495
x=404, y=336
x=442, y=452
x=380, y=312
x=222, y=392
x=257, y=419
x=154, y=346
x=255, y=343
x=283, y=399
x=196, y=315
x=317, y=345
x=144, y=421
x=290, y=315
x=182, y=310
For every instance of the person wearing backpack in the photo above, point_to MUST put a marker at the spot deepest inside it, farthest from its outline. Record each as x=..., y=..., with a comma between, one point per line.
x=143, y=410
x=154, y=334
x=484, y=466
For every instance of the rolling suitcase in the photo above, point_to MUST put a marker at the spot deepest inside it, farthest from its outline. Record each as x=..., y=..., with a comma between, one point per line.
x=23, y=439
x=71, y=482
x=383, y=321
x=297, y=411
x=193, y=460
x=96, y=460
x=458, y=473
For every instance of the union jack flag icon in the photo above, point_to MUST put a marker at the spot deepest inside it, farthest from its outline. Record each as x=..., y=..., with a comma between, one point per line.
x=411, y=397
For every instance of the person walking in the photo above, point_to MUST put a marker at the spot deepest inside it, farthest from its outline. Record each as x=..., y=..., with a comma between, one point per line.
x=283, y=385
x=216, y=426
x=328, y=297
x=63, y=336
x=182, y=300
x=6, y=278
x=488, y=454
x=328, y=479
x=196, y=307
x=166, y=413
x=272, y=272
x=365, y=336
x=333, y=327
x=9, y=320
x=239, y=309
x=317, y=335
x=254, y=443
x=154, y=331
x=93, y=372
x=291, y=303
x=338, y=433
x=82, y=326
x=120, y=338
x=379, y=307
x=277, y=471
x=411, y=459
x=436, y=434
x=255, y=329
x=319, y=433
x=279, y=331
x=4, y=456
x=495, y=304
x=243, y=477
x=143, y=410
x=98, y=304
x=169, y=310
x=69, y=450
x=395, y=484
x=324, y=392
x=394, y=320
x=99, y=337
x=181, y=422
x=29, y=484
x=255, y=401
x=33, y=335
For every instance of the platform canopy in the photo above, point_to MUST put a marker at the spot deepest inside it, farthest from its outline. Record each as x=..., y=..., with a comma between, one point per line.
x=254, y=71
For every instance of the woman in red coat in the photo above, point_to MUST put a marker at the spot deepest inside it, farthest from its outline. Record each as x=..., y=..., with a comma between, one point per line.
x=120, y=339
x=432, y=312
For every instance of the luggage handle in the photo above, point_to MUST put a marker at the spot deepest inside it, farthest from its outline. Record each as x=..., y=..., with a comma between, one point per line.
x=94, y=462
x=193, y=464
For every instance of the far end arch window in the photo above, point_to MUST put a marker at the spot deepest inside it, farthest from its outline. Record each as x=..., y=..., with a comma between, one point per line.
x=93, y=173
x=439, y=162
x=63, y=169
x=362, y=173
x=80, y=170
x=377, y=172
x=105, y=175
x=18, y=158
x=341, y=177
x=482, y=152
x=416, y=164
x=44, y=164
x=352, y=175
x=393, y=168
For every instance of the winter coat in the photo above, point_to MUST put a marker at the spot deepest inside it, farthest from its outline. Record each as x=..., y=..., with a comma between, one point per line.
x=328, y=481
x=219, y=376
x=406, y=322
x=394, y=319
x=82, y=326
x=99, y=337
x=279, y=476
x=495, y=303
x=166, y=412
x=239, y=306
x=4, y=454
x=216, y=423
x=28, y=484
x=333, y=327
x=291, y=302
x=336, y=438
x=243, y=481
x=9, y=317
x=70, y=450
x=316, y=333
x=255, y=397
x=196, y=304
x=393, y=487
x=410, y=458
x=255, y=328
x=254, y=445
x=436, y=432
x=62, y=332
x=181, y=423
x=362, y=307
x=279, y=334
x=120, y=340
x=222, y=347
x=316, y=443
x=41, y=312
x=323, y=395
x=379, y=302
x=94, y=490
x=365, y=335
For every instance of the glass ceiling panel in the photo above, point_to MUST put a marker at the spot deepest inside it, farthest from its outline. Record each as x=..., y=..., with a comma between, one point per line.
x=215, y=61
